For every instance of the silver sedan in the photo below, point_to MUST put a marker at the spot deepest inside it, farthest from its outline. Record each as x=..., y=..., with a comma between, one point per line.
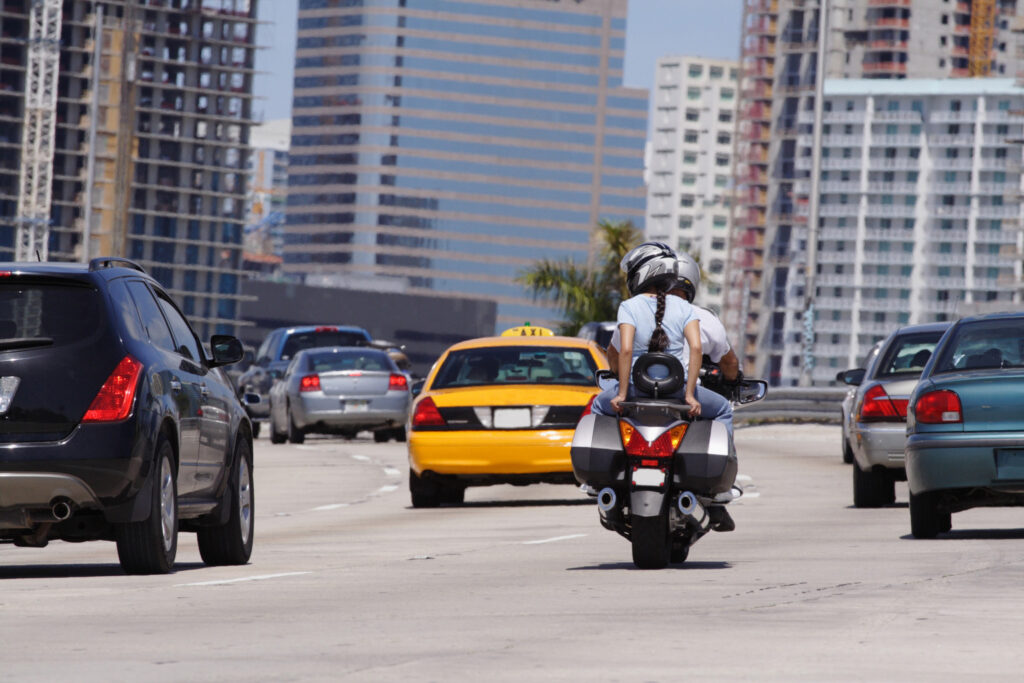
x=340, y=390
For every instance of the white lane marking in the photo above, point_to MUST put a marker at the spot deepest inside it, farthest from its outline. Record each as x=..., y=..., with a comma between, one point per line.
x=387, y=489
x=360, y=458
x=332, y=506
x=392, y=472
x=743, y=477
x=308, y=448
x=222, y=582
x=552, y=540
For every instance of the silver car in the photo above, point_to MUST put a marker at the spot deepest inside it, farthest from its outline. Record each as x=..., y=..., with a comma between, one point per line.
x=875, y=423
x=340, y=390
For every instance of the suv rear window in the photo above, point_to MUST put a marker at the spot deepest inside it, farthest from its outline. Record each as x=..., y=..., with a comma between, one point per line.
x=300, y=341
x=907, y=355
x=516, y=365
x=62, y=314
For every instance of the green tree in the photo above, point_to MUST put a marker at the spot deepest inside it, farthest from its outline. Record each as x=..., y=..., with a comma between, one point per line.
x=585, y=294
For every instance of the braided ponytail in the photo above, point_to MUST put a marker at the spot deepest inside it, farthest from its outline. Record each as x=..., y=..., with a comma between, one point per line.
x=659, y=338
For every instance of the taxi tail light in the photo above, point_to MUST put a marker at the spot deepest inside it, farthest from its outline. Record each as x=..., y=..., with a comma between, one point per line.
x=310, y=383
x=587, y=408
x=398, y=382
x=878, y=407
x=114, y=400
x=938, y=407
x=662, y=447
x=427, y=414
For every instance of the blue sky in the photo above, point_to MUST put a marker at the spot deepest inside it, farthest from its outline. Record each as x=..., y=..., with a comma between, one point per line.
x=655, y=28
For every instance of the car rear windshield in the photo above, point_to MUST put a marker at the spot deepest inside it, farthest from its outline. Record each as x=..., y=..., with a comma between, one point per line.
x=516, y=365
x=907, y=354
x=300, y=341
x=340, y=361
x=44, y=314
x=984, y=344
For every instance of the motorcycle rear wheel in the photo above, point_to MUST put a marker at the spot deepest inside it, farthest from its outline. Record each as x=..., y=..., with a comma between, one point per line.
x=650, y=540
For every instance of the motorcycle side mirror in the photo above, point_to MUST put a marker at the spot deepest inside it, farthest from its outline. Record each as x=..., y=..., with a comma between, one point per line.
x=602, y=375
x=751, y=390
x=851, y=377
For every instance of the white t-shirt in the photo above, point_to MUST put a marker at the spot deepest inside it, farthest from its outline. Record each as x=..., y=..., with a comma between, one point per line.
x=713, y=340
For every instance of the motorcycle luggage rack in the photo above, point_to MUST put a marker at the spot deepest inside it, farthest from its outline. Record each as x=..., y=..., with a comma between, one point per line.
x=673, y=409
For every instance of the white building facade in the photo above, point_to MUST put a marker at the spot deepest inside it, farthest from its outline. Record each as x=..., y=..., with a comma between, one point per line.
x=690, y=162
x=919, y=210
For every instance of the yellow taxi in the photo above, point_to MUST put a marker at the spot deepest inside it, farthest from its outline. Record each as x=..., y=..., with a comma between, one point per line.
x=500, y=410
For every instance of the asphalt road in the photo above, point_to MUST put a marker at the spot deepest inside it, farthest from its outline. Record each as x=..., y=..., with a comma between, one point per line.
x=347, y=582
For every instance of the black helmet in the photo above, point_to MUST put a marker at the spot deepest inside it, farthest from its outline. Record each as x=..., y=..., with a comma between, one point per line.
x=652, y=264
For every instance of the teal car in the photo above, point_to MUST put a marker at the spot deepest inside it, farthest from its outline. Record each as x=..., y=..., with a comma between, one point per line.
x=965, y=423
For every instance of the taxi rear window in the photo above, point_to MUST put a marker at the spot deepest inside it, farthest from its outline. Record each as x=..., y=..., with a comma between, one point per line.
x=498, y=365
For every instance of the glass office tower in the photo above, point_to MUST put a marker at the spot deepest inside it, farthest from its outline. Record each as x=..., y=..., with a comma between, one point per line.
x=443, y=146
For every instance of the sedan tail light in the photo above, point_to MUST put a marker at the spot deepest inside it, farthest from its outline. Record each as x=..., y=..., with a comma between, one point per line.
x=427, y=414
x=310, y=383
x=115, y=398
x=662, y=447
x=938, y=407
x=588, y=409
x=398, y=383
x=878, y=407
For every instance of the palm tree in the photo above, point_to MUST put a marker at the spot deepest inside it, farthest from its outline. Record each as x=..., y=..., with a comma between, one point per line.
x=583, y=293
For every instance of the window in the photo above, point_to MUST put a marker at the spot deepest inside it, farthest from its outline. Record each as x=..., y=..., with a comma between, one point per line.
x=690, y=136
x=693, y=114
x=721, y=160
x=725, y=116
x=187, y=344
x=723, y=139
x=686, y=200
x=716, y=72
x=719, y=221
x=892, y=129
x=689, y=157
x=893, y=105
x=693, y=93
x=685, y=222
x=721, y=181
x=695, y=70
x=689, y=179
x=718, y=243
x=728, y=93
x=156, y=327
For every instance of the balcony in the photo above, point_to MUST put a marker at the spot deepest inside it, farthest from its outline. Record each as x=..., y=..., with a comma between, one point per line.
x=885, y=68
x=897, y=258
x=887, y=45
x=890, y=211
x=890, y=3
x=762, y=26
x=835, y=280
x=888, y=22
x=856, y=116
x=951, y=140
x=896, y=140
x=763, y=6
x=904, y=115
x=944, y=164
x=831, y=163
x=839, y=187
x=949, y=211
x=892, y=188
x=887, y=305
x=990, y=211
x=837, y=210
x=952, y=116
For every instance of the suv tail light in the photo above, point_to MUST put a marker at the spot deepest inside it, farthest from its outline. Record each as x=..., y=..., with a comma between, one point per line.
x=310, y=383
x=662, y=447
x=117, y=395
x=878, y=407
x=938, y=407
x=427, y=414
x=398, y=383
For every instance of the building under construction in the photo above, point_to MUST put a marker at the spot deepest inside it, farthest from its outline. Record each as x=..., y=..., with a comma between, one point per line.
x=149, y=128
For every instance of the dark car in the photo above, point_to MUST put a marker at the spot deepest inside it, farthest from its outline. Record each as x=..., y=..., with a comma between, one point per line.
x=114, y=423
x=277, y=351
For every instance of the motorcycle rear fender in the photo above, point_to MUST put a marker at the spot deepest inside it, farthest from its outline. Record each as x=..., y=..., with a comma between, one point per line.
x=705, y=461
x=646, y=503
x=596, y=452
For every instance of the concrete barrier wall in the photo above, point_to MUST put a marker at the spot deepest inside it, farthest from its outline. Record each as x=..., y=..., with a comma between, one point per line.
x=795, y=404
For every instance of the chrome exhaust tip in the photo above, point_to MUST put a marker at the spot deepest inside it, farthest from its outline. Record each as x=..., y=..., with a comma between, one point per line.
x=606, y=499
x=689, y=506
x=61, y=510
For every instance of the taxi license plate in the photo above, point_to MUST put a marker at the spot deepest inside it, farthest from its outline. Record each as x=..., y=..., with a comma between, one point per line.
x=511, y=418
x=648, y=477
x=355, y=406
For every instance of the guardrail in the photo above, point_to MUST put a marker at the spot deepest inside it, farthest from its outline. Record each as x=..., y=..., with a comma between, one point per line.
x=794, y=404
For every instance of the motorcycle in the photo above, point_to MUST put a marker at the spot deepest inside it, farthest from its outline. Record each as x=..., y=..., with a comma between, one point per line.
x=662, y=480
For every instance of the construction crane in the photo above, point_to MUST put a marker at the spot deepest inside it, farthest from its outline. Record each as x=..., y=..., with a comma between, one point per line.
x=982, y=36
x=38, y=131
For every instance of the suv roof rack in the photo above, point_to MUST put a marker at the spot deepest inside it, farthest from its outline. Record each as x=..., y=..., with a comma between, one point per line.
x=114, y=262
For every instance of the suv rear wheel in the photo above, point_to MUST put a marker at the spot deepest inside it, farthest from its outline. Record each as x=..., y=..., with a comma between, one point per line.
x=150, y=546
x=231, y=542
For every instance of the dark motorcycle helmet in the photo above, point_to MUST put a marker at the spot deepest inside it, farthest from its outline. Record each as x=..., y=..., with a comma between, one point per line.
x=652, y=264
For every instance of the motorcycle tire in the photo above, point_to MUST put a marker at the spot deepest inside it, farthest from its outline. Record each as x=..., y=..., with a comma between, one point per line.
x=650, y=540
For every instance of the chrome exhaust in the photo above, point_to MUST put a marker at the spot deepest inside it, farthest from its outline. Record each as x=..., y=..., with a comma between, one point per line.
x=606, y=499
x=61, y=510
x=689, y=506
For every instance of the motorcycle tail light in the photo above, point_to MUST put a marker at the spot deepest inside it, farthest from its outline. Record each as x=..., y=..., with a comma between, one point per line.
x=115, y=398
x=878, y=407
x=662, y=447
x=398, y=383
x=938, y=407
x=310, y=383
x=427, y=414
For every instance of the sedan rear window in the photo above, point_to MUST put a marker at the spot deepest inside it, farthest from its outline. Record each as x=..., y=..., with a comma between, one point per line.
x=516, y=365
x=984, y=344
x=310, y=340
x=340, y=361
x=907, y=354
x=44, y=314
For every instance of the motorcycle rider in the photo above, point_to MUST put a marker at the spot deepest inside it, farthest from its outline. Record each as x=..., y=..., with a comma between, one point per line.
x=650, y=320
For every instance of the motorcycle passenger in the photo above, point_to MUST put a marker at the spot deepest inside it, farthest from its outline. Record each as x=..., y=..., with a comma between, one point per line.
x=651, y=321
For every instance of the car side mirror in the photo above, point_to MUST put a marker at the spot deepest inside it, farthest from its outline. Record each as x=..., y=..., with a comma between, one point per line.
x=751, y=390
x=250, y=399
x=276, y=374
x=851, y=377
x=225, y=349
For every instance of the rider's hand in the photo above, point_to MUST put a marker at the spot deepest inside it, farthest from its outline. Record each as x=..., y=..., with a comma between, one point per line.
x=615, y=403
x=694, y=406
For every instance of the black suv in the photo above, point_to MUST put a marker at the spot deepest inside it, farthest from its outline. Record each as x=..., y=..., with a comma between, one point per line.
x=115, y=424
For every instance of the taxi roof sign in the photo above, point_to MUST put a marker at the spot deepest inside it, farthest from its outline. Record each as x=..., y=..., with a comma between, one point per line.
x=527, y=330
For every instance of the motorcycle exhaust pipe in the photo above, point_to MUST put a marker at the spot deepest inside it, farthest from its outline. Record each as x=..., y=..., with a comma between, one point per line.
x=689, y=506
x=61, y=510
x=606, y=499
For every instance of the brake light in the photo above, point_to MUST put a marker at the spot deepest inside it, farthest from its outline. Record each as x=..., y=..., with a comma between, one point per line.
x=878, y=407
x=115, y=398
x=310, y=383
x=398, y=383
x=427, y=414
x=326, y=328
x=587, y=408
x=662, y=447
x=938, y=407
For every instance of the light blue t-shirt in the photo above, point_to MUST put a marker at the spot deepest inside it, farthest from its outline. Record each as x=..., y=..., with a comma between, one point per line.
x=638, y=311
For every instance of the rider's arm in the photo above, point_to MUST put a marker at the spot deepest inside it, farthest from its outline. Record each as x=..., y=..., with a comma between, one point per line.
x=612, y=354
x=692, y=334
x=625, y=358
x=730, y=365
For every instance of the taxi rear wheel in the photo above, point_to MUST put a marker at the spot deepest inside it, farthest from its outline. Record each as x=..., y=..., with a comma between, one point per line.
x=425, y=494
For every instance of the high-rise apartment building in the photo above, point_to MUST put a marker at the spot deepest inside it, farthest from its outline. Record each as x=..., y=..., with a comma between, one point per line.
x=919, y=207
x=879, y=39
x=689, y=191
x=168, y=105
x=443, y=147
x=267, y=188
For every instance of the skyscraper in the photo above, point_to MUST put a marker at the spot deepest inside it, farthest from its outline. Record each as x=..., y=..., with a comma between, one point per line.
x=443, y=147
